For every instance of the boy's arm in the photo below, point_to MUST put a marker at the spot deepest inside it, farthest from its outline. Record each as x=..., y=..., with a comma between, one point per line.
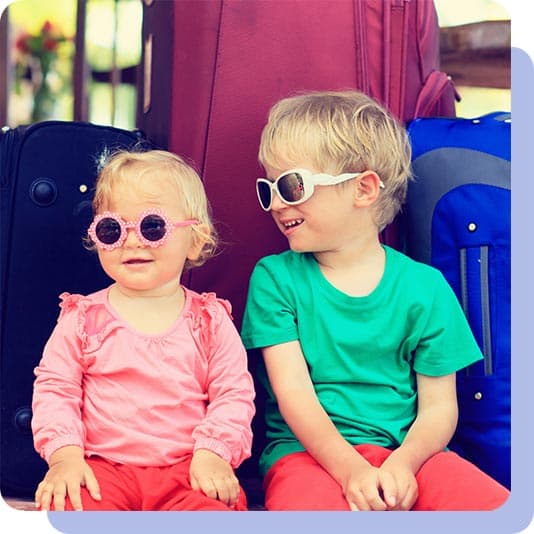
x=298, y=403
x=437, y=416
x=431, y=431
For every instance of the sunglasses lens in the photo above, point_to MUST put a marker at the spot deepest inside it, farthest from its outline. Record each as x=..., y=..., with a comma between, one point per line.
x=264, y=194
x=153, y=228
x=291, y=187
x=108, y=230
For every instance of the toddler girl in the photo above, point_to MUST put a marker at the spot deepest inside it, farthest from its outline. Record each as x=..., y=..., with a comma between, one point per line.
x=142, y=399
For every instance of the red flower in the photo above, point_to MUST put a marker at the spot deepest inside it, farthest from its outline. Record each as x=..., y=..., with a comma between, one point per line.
x=21, y=43
x=49, y=44
x=47, y=27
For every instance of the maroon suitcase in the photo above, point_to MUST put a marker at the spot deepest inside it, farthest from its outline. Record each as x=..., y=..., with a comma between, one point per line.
x=233, y=59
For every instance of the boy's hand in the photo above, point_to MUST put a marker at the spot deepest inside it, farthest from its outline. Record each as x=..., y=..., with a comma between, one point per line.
x=370, y=489
x=214, y=476
x=405, y=482
x=67, y=471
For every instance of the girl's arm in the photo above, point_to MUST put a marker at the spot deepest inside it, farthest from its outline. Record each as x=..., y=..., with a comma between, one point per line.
x=298, y=403
x=226, y=427
x=57, y=425
x=57, y=391
x=224, y=437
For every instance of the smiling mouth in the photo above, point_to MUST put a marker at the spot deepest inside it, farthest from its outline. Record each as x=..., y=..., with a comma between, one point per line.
x=292, y=224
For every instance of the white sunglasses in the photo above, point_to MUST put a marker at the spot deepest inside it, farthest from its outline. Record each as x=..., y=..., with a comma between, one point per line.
x=296, y=186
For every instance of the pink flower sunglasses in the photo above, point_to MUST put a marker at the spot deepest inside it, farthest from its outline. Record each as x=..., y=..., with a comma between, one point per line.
x=109, y=231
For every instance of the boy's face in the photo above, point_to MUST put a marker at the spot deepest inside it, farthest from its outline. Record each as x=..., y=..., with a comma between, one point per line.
x=327, y=221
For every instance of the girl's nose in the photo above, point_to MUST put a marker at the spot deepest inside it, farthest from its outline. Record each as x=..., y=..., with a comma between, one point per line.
x=132, y=240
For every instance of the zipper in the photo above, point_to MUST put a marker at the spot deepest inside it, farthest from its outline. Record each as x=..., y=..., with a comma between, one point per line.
x=360, y=31
x=8, y=140
x=396, y=23
x=474, y=268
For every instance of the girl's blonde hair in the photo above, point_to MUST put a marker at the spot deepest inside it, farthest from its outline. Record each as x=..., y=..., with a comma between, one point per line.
x=340, y=132
x=125, y=166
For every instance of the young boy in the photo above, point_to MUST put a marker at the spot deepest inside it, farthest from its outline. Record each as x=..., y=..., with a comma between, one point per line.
x=361, y=344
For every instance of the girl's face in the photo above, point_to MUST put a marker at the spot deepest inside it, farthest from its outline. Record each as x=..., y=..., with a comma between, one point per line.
x=138, y=268
x=323, y=223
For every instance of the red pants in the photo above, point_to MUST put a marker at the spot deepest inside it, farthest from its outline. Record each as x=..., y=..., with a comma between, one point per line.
x=445, y=481
x=126, y=487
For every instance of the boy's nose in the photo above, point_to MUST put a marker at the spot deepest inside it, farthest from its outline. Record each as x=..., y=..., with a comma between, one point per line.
x=277, y=203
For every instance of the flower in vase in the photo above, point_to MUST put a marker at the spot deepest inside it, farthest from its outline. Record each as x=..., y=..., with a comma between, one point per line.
x=35, y=58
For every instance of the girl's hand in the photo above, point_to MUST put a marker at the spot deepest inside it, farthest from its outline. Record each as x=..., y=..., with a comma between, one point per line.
x=214, y=476
x=67, y=471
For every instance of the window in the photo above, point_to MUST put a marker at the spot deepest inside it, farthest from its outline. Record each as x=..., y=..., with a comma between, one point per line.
x=72, y=59
x=475, y=52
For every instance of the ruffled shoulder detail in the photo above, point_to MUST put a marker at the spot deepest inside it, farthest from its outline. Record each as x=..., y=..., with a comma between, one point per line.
x=206, y=307
x=93, y=322
x=69, y=302
x=213, y=304
x=206, y=313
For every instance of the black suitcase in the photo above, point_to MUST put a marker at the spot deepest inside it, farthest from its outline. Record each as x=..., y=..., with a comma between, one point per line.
x=47, y=173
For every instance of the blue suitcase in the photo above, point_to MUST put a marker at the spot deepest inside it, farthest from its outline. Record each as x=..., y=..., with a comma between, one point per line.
x=47, y=175
x=457, y=218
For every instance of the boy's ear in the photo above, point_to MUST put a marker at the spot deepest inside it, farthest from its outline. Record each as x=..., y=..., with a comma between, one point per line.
x=197, y=243
x=367, y=189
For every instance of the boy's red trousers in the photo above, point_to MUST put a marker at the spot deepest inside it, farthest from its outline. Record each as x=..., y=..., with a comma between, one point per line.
x=445, y=482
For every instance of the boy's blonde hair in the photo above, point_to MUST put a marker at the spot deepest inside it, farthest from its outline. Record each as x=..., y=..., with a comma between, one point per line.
x=124, y=166
x=341, y=132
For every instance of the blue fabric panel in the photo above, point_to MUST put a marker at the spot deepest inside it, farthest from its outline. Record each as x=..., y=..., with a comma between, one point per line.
x=457, y=218
x=489, y=133
x=488, y=209
x=471, y=246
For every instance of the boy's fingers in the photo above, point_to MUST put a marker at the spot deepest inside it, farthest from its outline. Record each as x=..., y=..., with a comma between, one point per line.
x=358, y=502
x=370, y=499
x=353, y=507
x=376, y=503
x=389, y=489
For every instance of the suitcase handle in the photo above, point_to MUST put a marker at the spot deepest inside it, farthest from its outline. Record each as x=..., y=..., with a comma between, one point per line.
x=435, y=85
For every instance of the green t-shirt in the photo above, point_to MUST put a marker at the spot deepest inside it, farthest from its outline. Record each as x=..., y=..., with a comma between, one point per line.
x=362, y=352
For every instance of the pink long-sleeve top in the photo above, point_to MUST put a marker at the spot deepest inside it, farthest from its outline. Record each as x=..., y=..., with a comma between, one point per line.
x=139, y=399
